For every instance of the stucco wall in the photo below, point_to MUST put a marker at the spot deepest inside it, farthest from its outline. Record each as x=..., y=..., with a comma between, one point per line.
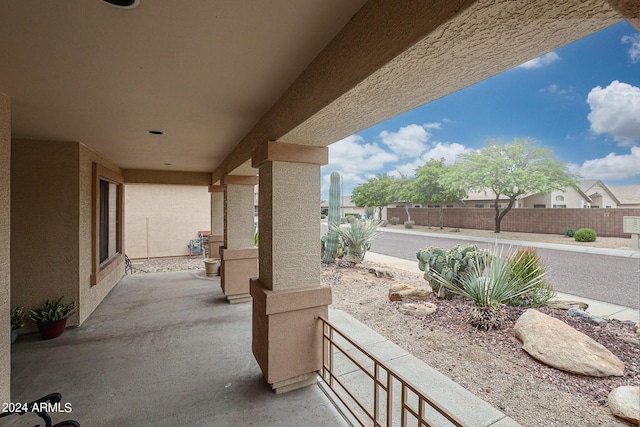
x=175, y=215
x=5, y=233
x=90, y=296
x=44, y=226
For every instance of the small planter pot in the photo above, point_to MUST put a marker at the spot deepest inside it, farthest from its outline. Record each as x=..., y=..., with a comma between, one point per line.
x=212, y=266
x=14, y=335
x=50, y=330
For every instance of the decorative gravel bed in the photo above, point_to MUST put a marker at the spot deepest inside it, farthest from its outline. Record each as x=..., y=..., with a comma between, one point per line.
x=490, y=364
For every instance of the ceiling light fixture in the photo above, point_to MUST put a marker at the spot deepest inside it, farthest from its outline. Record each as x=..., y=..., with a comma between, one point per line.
x=124, y=4
x=167, y=164
x=156, y=132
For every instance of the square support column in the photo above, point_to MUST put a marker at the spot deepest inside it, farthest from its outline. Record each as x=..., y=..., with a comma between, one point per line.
x=288, y=296
x=216, y=238
x=239, y=257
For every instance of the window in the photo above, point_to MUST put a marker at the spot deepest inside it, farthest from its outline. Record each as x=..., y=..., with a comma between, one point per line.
x=559, y=199
x=539, y=206
x=107, y=226
x=560, y=206
x=479, y=205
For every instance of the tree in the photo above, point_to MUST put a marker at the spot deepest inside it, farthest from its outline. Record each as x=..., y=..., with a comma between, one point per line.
x=377, y=192
x=512, y=170
x=427, y=188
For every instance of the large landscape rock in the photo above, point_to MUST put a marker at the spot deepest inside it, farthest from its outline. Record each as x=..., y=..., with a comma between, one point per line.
x=566, y=305
x=624, y=402
x=557, y=344
x=404, y=292
x=586, y=317
x=418, y=310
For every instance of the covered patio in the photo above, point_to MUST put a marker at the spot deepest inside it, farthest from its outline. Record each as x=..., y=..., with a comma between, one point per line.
x=224, y=95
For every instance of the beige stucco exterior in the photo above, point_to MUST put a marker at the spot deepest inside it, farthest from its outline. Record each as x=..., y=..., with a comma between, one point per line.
x=161, y=219
x=52, y=212
x=5, y=234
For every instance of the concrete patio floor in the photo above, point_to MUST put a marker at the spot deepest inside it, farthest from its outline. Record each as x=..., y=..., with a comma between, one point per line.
x=162, y=349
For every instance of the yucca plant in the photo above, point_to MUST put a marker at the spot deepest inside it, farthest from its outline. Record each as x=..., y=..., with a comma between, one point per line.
x=491, y=287
x=51, y=311
x=357, y=238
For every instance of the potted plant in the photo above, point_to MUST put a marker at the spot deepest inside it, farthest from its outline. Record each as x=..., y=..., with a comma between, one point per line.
x=16, y=322
x=51, y=317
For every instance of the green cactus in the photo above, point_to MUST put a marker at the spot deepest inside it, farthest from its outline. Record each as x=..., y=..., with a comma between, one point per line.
x=448, y=264
x=331, y=243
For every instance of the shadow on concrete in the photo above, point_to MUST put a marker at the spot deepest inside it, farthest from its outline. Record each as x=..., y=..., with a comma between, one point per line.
x=162, y=349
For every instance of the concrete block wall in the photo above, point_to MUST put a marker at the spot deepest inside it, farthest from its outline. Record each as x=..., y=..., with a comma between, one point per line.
x=605, y=222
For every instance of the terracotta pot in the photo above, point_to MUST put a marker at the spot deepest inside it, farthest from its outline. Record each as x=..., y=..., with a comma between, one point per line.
x=50, y=330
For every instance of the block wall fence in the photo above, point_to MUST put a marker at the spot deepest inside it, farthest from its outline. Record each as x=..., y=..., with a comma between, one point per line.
x=605, y=222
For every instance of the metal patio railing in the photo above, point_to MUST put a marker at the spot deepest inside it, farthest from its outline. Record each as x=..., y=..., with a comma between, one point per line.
x=377, y=409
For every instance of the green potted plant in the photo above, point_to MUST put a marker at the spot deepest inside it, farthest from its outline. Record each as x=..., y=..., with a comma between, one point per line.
x=16, y=322
x=51, y=317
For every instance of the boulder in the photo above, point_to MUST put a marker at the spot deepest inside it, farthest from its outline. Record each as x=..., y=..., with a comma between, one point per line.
x=566, y=305
x=404, y=292
x=586, y=317
x=624, y=402
x=637, y=329
x=557, y=344
x=418, y=310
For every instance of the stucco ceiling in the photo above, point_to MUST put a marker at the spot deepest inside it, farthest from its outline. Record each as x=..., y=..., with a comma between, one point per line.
x=202, y=71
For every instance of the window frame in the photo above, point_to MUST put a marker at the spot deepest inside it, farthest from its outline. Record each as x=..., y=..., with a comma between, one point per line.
x=101, y=270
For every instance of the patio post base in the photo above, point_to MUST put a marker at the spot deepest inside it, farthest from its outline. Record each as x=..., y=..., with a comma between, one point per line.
x=287, y=335
x=237, y=269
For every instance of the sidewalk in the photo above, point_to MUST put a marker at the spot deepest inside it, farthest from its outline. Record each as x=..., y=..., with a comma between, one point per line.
x=597, y=308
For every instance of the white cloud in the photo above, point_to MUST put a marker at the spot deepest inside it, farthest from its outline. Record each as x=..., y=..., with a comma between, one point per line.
x=541, y=61
x=615, y=110
x=634, y=50
x=612, y=167
x=447, y=150
x=408, y=141
x=354, y=159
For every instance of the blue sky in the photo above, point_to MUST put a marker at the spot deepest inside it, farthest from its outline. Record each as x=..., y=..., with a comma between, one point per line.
x=582, y=101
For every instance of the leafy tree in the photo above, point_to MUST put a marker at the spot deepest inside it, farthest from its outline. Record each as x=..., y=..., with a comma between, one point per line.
x=377, y=192
x=511, y=170
x=428, y=189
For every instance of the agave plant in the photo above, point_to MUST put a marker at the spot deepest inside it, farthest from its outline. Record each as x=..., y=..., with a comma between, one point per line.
x=494, y=285
x=51, y=311
x=357, y=238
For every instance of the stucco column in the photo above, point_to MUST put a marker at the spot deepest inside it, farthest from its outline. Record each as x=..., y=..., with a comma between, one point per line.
x=5, y=234
x=287, y=296
x=216, y=238
x=239, y=256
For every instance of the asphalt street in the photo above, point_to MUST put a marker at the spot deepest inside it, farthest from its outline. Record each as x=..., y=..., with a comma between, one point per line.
x=613, y=279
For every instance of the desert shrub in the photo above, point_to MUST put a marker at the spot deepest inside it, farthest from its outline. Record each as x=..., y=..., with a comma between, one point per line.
x=526, y=265
x=409, y=224
x=488, y=288
x=323, y=216
x=585, y=235
x=394, y=220
x=569, y=232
